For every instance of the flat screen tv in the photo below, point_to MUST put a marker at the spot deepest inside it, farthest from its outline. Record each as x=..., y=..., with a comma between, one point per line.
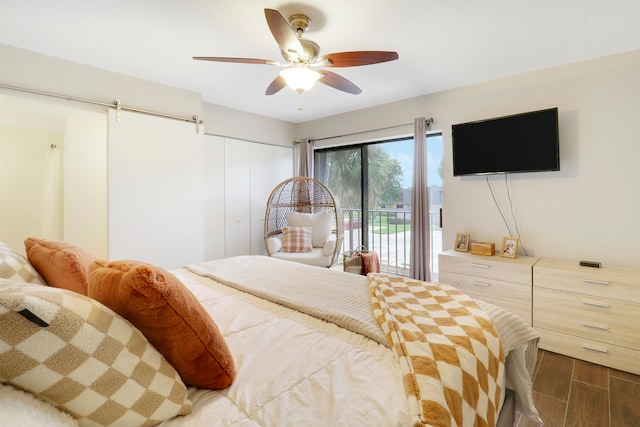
x=526, y=142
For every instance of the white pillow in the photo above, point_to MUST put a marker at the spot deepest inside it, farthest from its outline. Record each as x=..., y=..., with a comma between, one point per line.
x=329, y=245
x=24, y=409
x=274, y=244
x=320, y=224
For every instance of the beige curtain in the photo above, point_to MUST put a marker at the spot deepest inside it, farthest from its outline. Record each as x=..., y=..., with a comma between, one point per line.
x=306, y=158
x=420, y=252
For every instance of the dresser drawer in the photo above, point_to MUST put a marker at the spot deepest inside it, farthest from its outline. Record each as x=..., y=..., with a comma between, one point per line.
x=608, y=282
x=592, y=351
x=600, y=328
x=516, y=271
x=523, y=311
x=593, y=308
x=489, y=287
x=514, y=298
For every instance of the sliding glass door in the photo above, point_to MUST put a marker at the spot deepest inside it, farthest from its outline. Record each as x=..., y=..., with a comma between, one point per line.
x=373, y=184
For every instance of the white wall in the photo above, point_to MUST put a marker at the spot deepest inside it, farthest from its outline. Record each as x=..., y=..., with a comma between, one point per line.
x=30, y=176
x=587, y=210
x=236, y=124
x=45, y=196
x=23, y=68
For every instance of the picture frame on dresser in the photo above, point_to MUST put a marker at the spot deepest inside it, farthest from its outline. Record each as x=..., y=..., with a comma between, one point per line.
x=509, y=247
x=462, y=242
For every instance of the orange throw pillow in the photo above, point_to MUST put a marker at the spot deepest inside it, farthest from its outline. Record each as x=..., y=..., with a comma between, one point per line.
x=62, y=265
x=169, y=316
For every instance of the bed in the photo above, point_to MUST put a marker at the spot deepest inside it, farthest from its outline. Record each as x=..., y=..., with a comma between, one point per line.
x=309, y=350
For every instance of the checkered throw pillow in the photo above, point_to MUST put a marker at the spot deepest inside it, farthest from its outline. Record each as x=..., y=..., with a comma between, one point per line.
x=296, y=239
x=83, y=358
x=14, y=266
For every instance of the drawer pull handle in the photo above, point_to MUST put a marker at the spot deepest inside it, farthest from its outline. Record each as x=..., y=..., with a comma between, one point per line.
x=596, y=304
x=473, y=264
x=595, y=282
x=598, y=349
x=486, y=285
x=594, y=326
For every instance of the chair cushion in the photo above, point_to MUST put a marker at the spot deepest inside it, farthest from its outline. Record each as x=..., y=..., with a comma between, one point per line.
x=274, y=244
x=296, y=239
x=169, y=315
x=62, y=265
x=315, y=257
x=330, y=245
x=319, y=222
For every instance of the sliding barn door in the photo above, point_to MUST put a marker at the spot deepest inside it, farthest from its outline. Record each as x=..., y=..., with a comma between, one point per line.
x=156, y=190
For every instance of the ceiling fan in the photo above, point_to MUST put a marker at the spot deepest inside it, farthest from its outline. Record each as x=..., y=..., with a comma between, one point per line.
x=302, y=57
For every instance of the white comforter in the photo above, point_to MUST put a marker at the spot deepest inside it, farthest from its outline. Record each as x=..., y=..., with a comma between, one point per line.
x=293, y=369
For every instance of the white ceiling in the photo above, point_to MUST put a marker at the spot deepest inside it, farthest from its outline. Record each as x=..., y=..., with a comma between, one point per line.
x=442, y=44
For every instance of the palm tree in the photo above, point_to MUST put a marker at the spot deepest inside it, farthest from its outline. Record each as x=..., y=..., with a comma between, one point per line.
x=344, y=177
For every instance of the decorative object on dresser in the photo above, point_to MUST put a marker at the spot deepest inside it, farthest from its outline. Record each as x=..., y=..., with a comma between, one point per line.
x=501, y=281
x=483, y=248
x=462, y=242
x=509, y=247
x=588, y=313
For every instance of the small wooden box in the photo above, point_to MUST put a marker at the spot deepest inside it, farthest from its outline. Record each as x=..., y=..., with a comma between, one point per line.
x=482, y=248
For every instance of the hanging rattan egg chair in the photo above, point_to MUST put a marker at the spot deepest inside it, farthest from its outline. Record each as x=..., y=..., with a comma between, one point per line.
x=303, y=223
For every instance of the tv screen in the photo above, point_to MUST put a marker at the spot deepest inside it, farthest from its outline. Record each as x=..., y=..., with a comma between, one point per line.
x=526, y=142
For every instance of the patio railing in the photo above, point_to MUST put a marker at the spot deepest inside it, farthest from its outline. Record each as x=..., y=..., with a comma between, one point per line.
x=388, y=233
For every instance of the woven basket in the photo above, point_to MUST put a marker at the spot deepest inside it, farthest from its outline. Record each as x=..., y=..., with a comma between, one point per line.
x=352, y=260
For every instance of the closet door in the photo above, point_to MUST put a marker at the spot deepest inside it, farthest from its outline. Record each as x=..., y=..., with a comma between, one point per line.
x=214, y=232
x=156, y=190
x=237, y=207
x=252, y=170
x=261, y=186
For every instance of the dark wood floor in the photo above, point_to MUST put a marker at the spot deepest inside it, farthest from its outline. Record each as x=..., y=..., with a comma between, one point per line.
x=572, y=393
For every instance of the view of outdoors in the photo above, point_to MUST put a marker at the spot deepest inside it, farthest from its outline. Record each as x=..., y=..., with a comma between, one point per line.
x=373, y=184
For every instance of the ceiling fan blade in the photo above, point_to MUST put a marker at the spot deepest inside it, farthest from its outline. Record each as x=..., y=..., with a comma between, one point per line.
x=336, y=81
x=354, y=59
x=282, y=32
x=275, y=86
x=236, y=60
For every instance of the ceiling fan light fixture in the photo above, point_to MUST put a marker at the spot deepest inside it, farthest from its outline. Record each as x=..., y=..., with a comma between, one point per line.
x=300, y=78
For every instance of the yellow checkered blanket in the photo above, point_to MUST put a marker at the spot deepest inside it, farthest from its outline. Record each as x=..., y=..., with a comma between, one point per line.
x=448, y=348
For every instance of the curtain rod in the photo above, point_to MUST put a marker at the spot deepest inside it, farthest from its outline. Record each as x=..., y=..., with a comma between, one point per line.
x=427, y=121
x=115, y=104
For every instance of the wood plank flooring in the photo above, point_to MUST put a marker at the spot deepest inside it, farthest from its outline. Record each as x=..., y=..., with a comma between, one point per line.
x=572, y=393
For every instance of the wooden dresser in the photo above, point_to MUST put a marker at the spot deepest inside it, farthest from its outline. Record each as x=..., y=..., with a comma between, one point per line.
x=588, y=313
x=504, y=282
